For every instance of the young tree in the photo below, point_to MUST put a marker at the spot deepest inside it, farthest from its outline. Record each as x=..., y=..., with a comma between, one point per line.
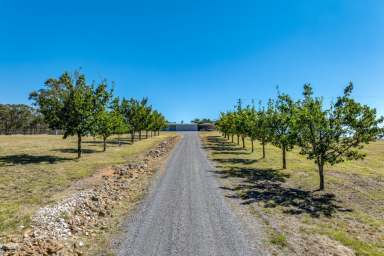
x=135, y=113
x=251, y=120
x=158, y=122
x=223, y=125
x=121, y=126
x=240, y=123
x=153, y=122
x=231, y=117
x=147, y=119
x=330, y=136
x=109, y=123
x=104, y=126
x=68, y=103
x=281, y=115
x=263, y=130
x=129, y=109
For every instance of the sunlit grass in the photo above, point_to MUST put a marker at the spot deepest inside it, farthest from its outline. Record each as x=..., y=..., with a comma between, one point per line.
x=34, y=169
x=358, y=188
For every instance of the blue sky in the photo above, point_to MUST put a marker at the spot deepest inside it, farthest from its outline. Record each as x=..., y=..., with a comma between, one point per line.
x=195, y=58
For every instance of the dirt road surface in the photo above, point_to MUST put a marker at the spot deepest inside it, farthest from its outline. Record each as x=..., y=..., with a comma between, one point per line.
x=185, y=213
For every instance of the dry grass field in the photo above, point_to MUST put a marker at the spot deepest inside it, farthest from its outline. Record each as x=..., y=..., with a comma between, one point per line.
x=35, y=170
x=346, y=219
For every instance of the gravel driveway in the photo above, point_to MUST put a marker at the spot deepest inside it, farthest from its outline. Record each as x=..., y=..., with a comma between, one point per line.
x=185, y=213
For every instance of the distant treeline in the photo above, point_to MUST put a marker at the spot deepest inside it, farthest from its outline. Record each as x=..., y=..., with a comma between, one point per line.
x=202, y=121
x=21, y=119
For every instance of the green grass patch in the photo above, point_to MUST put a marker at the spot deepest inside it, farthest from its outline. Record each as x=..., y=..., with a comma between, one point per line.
x=359, y=247
x=279, y=240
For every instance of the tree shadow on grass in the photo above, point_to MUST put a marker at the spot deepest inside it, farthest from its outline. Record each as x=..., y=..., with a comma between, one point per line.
x=230, y=153
x=74, y=150
x=235, y=160
x=219, y=145
x=123, y=141
x=30, y=159
x=267, y=186
x=230, y=148
x=251, y=175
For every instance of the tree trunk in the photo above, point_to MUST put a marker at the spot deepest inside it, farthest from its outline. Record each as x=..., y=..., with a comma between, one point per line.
x=243, y=140
x=146, y=134
x=140, y=135
x=133, y=137
x=78, y=145
x=263, y=144
x=104, y=143
x=118, y=139
x=232, y=138
x=252, y=145
x=238, y=140
x=284, y=159
x=321, y=174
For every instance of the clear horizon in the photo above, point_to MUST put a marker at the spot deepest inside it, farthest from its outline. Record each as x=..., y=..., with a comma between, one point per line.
x=193, y=59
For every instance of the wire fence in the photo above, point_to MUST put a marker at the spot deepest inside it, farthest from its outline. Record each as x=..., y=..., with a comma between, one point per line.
x=30, y=131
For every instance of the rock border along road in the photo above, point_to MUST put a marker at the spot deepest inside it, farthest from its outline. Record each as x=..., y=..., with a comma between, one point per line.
x=185, y=213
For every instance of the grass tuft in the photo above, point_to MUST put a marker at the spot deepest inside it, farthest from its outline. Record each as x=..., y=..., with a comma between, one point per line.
x=279, y=240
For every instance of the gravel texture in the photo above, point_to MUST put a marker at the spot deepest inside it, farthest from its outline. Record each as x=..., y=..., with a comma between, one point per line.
x=185, y=213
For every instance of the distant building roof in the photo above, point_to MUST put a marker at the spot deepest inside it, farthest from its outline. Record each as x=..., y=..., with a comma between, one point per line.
x=182, y=127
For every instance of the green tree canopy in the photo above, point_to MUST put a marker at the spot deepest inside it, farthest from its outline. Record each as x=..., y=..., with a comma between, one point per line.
x=335, y=134
x=263, y=129
x=281, y=119
x=202, y=121
x=19, y=117
x=70, y=104
x=250, y=124
x=240, y=122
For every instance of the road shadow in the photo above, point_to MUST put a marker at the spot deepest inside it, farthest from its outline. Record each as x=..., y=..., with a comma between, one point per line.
x=30, y=159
